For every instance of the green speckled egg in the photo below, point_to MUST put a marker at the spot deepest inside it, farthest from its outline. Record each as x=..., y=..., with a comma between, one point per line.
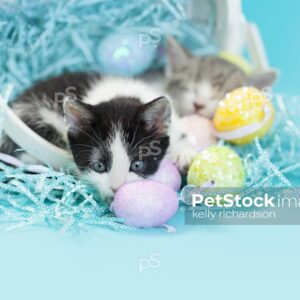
x=219, y=164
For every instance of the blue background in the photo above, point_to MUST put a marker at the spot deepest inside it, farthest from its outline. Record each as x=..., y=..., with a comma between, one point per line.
x=201, y=262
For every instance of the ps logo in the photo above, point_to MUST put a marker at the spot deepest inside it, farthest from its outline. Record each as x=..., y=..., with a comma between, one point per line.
x=153, y=38
x=152, y=262
x=152, y=149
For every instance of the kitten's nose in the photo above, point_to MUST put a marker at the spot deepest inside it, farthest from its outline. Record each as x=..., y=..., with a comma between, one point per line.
x=117, y=182
x=114, y=189
x=198, y=106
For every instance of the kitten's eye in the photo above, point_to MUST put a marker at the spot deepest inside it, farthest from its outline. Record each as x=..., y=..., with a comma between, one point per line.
x=180, y=85
x=184, y=87
x=98, y=167
x=137, y=166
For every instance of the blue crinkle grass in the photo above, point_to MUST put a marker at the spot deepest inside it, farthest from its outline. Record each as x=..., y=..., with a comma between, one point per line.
x=53, y=198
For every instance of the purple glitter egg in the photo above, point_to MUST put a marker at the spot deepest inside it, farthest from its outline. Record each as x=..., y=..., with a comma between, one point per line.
x=168, y=174
x=145, y=203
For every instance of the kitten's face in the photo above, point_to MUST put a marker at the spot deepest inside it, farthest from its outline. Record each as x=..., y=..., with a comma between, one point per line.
x=118, y=141
x=201, y=84
x=197, y=84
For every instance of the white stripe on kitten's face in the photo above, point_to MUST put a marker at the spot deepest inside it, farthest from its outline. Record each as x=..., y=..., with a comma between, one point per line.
x=119, y=173
x=204, y=102
x=204, y=92
x=120, y=163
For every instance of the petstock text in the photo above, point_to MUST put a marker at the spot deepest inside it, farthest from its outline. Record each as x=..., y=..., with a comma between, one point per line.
x=237, y=206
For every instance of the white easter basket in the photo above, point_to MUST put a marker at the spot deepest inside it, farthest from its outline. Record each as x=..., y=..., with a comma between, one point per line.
x=232, y=34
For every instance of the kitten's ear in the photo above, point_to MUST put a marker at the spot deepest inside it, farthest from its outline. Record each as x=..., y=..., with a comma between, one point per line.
x=178, y=57
x=157, y=115
x=77, y=115
x=262, y=79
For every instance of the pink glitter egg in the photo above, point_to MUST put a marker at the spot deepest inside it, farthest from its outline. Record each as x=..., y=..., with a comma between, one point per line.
x=168, y=174
x=200, y=129
x=145, y=203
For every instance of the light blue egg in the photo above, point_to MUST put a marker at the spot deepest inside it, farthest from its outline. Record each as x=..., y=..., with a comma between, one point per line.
x=125, y=54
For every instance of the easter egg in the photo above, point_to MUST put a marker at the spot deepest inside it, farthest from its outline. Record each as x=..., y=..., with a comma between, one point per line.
x=244, y=114
x=219, y=164
x=145, y=203
x=168, y=174
x=200, y=129
x=121, y=54
x=237, y=60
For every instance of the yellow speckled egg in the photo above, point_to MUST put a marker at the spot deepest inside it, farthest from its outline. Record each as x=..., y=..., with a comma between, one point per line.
x=244, y=114
x=219, y=164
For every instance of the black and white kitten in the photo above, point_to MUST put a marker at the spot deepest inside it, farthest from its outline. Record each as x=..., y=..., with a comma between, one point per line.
x=118, y=130
x=196, y=84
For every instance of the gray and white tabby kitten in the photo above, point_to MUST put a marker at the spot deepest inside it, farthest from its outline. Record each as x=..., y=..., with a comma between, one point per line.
x=118, y=130
x=198, y=83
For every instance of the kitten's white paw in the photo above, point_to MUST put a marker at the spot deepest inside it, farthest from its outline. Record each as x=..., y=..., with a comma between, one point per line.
x=184, y=159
